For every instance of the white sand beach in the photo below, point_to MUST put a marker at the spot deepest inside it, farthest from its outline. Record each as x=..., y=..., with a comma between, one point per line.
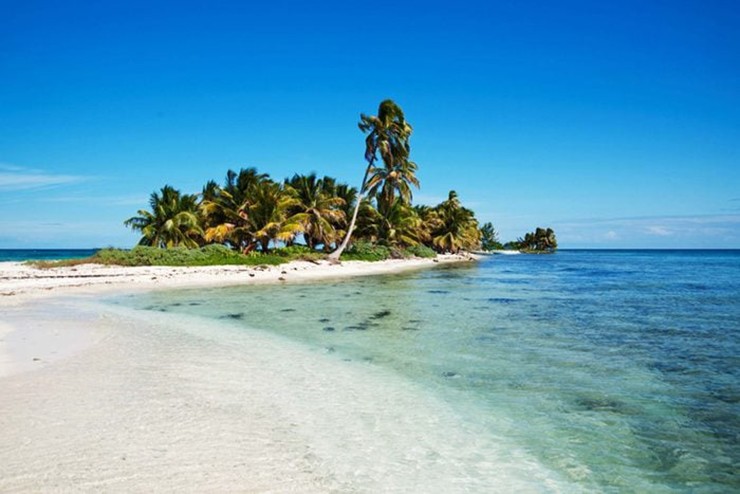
x=20, y=281
x=95, y=397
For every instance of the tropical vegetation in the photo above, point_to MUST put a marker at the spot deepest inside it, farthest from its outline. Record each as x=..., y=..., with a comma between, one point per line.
x=489, y=238
x=251, y=215
x=542, y=240
x=172, y=222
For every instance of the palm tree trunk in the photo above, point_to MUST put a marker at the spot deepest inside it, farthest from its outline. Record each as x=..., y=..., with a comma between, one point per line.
x=334, y=256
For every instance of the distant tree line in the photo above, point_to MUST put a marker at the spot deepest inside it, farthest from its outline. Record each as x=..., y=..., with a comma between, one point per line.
x=540, y=240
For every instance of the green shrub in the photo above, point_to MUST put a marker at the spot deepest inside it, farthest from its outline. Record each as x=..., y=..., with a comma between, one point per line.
x=218, y=249
x=258, y=258
x=294, y=251
x=220, y=255
x=420, y=251
x=365, y=251
x=61, y=263
x=210, y=255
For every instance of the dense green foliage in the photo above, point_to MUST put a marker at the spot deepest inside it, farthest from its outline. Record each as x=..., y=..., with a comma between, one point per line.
x=420, y=251
x=363, y=250
x=366, y=251
x=172, y=222
x=489, y=238
x=220, y=255
x=318, y=208
x=456, y=227
x=210, y=255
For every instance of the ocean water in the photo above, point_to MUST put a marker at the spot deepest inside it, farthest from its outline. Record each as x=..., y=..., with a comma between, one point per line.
x=18, y=255
x=612, y=371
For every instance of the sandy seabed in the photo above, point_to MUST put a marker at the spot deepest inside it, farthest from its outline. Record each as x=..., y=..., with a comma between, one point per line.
x=95, y=397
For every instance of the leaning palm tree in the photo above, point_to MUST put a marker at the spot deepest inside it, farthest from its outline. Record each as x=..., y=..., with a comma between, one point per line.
x=349, y=197
x=172, y=222
x=387, y=135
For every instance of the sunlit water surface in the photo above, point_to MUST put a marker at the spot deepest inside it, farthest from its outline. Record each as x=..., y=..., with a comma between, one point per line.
x=617, y=370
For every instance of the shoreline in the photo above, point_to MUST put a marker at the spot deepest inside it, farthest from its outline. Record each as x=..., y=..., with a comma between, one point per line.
x=20, y=282
x=31, y=338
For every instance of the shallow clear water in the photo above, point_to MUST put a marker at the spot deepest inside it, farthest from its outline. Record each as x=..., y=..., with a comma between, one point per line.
x=617, y=370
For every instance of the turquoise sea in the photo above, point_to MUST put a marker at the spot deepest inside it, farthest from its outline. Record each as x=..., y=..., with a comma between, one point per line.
x=19, y=255
x=617, y=371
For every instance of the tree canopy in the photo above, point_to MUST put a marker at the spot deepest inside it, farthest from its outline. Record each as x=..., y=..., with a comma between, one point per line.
x=251, y=211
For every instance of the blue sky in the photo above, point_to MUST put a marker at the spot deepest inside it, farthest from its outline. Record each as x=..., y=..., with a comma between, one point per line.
x=616, y=123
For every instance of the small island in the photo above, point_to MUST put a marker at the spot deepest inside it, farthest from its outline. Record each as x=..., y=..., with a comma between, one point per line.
x=253, y=219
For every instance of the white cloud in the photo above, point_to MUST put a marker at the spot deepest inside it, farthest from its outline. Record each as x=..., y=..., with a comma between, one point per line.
x=14, y=178
x=660, y=231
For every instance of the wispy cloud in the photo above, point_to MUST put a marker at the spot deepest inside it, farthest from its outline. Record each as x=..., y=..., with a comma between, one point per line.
x=660, y=231
x=15, y=178
x=644, y=221
x=130, y=200
x=686, y=230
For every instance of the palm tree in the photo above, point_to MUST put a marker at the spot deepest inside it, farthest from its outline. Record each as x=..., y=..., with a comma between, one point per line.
x=225, y=208
x=544, y=239
x=240, y=184
x=385, y=181
x=489, y=237
x=349, y=195
x=458, y=228
x=269, y=217
x=400, y=226
x=541, y=240
x=430, y=222
x=319, y=209
x=172, y=222
x=387, y=135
